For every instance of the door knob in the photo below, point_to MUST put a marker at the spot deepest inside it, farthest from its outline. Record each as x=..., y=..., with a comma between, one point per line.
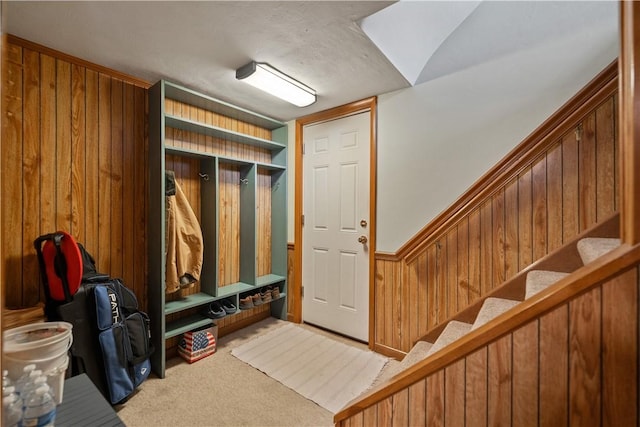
x=362, y=239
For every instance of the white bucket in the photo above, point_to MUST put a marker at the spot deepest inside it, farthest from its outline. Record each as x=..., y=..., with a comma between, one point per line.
x=55, y=379
x=43, y=344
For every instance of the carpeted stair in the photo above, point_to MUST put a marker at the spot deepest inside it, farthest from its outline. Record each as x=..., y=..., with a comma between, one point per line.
x=417, y=353
x=536, y=281
x=592, y=248
x=492, y=307
x=539, y=280
x=452, y=332
x=423, y=349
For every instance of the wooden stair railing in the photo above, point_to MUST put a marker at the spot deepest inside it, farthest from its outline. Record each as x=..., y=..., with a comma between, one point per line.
x=565, y=258
x=388, y=403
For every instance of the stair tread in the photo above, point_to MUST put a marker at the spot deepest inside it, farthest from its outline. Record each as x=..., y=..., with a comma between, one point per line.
x=419, y=350
x=417, y=353
x=591, y=248
x=491, y=308
x=538, y=280
x=451, y=332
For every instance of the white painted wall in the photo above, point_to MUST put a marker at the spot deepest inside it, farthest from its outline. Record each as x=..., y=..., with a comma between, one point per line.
x=436, y=139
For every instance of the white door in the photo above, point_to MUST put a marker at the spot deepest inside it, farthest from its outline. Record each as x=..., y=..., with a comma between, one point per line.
x=335, y=253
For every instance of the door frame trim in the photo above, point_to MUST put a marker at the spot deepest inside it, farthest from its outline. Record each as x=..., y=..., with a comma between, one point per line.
x=295, y=288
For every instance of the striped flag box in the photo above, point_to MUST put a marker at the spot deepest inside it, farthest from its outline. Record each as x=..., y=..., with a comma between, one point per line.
x=196, y=345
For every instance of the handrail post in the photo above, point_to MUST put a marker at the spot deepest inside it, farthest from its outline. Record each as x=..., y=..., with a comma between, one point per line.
x=629, y=117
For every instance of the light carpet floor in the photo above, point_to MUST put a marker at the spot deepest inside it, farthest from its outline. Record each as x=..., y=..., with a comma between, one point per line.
x=221, y=390
x=317, y=367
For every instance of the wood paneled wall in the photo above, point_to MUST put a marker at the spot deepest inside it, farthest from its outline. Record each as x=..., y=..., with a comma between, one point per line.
x=567, y=185
x=73, y=158
x=576, y=365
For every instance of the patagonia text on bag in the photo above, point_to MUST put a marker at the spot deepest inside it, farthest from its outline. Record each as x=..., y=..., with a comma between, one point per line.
x=124, y=338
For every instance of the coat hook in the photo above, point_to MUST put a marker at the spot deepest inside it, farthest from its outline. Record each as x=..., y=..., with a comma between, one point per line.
x=276, y=186
x=204, y=176
x=244, y=181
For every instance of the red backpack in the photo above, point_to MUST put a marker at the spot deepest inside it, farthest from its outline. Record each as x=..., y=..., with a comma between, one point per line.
x=61, y=266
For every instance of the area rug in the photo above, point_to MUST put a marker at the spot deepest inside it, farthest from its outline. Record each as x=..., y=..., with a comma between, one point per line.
x=319, y=368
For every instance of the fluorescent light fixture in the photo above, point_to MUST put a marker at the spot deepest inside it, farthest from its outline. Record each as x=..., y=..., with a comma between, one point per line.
x=270, y=80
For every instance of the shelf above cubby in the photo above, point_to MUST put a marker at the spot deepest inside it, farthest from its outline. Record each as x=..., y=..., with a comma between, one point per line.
x=190, y=301
x=268, y=279
x=270, y=166
x=229, y=135
x=187, y=152
x=234, y=288
x=188, y=96
x=234, y=161
x=185, y=324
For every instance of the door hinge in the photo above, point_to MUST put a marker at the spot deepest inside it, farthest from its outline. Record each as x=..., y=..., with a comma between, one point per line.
x=303, y=150
x=303, y=219
x=302, y=291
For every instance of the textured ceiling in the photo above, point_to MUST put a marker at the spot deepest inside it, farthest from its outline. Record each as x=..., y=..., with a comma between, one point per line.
x=201, y=44
x=321, y=43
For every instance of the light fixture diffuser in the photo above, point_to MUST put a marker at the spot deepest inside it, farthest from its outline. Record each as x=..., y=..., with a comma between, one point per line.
x=276, y=83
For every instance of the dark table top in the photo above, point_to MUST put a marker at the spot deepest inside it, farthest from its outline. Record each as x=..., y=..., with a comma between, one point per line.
x=83, y=405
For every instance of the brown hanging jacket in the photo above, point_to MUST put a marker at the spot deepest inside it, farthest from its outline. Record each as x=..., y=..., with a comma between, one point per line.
x=184, y=245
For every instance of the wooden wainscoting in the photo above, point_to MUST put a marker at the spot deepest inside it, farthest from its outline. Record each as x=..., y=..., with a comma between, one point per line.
x=543, y=194
x=73, y=159
x=574, y=365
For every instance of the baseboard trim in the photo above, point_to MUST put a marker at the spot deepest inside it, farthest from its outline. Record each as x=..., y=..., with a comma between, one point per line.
x=389, y=352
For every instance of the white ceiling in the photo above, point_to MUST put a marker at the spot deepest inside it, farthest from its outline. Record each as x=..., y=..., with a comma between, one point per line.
x=201, y=44
x=321, y=43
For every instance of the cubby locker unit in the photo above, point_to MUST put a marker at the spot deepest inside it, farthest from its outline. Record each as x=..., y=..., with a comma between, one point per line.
x=226, y=161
